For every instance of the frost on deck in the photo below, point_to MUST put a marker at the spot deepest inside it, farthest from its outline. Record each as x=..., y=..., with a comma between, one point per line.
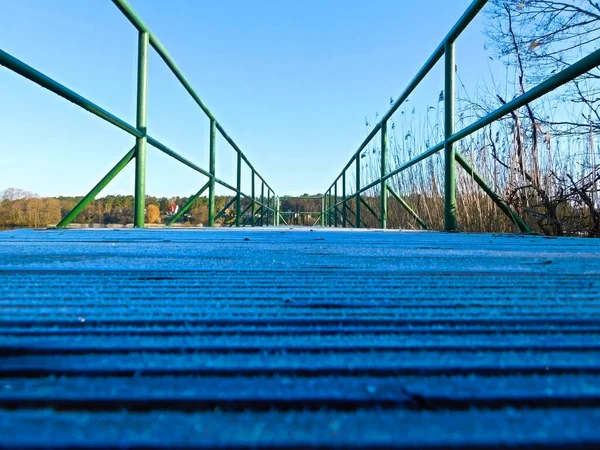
x=271, y=337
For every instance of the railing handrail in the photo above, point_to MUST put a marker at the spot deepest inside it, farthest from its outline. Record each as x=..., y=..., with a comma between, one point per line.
x=141, y=26
x=566, y=75
x=23, y=69
x=458, y=28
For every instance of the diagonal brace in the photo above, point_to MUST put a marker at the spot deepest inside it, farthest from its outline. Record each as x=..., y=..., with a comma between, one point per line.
x=96, y=189
x=363, y=201
x=499, y=201
x=227, y=205
x=188, y=205
x=407, y=208
x=354, y=214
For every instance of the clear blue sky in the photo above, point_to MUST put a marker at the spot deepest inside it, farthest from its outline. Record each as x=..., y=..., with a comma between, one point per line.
x=291, y=82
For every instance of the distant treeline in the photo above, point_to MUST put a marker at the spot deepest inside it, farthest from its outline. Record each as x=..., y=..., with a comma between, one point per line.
x=20, y=208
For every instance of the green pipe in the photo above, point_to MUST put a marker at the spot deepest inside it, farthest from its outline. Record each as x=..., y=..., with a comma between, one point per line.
x=372, y=211
x=269, y=205
x=326, y=196
x=211, y=169
x=277, y=213
x=146, y=39
x=139, y=217
x=338, y=215
x=284, y=221
x=344, y=212
x=238, y=197
x=449, y=153
x=137, y=22
x=512, y=215
x=331, y=210
x=46, y=82
x=245, y=210
x=584, y=65
x=357, y=215
x=322, y=211
x=262, y=204
x=354, y=214
x=189, y=203
x=575, y=70
x=383, y=196
x=167, y=151
x=432, y=151
x=458, y=28
x=53, y=86
x=227, y=205
x=344, y=221
x=253, y=198
x=408, y=208
x=335, y=210
x=96, y=189
x=133, y=17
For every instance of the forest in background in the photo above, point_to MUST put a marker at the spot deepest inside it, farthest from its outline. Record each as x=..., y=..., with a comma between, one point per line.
x=19, y=208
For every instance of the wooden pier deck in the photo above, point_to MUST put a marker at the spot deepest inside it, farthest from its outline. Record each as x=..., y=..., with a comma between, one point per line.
x=296, y=338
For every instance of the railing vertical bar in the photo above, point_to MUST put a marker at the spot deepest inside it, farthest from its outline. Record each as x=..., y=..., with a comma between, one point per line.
x=262, y=204
x=253, y=221
x=326, y=211
x=449, y=152
x=238, y=200
x=358, y=224
x=332, y=208
x=383, y=188
x=141, y=125
x=268, y=207
x=335, y=208
x=212, y=171
x=344, y=213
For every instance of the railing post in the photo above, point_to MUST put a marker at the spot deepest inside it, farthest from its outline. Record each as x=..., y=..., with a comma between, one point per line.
x=323, y=211
x=262, y=203
x=331, y=208
x=358, y=191
x=449, y=153
x=384, y=192
x=268, y=207
x=335, y=208
x=211, y=170
x=277, y=205
x=141, y=124
x=344, y=214
x=238, y=200
x=253, y=209
x=325, y=208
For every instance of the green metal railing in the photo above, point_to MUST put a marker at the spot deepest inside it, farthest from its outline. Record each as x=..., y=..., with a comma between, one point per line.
x=285, y=216
x=261, y=213
x=335, y=211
